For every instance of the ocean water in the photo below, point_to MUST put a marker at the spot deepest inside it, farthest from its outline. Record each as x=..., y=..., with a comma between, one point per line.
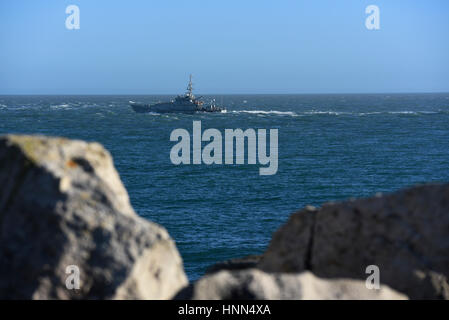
x=331, y=147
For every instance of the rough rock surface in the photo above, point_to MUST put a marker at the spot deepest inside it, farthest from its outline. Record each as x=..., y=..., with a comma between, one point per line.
x=258, y=285
x=62, y=203
x=406, y=234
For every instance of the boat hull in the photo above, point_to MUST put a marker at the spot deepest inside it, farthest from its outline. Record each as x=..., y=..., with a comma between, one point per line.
x=140, y=108
x=170, y=108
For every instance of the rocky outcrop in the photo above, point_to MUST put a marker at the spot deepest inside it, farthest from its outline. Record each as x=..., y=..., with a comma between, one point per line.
x=254, y=284
x=405, y=234
x=62, y=204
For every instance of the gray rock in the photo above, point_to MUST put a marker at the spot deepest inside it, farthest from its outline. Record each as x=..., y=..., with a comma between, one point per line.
x=247, y=262
x=62, y=203
x=406, y=234
x=254, y=284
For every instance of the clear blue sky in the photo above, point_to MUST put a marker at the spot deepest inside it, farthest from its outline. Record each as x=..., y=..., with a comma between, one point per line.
x=231, y=46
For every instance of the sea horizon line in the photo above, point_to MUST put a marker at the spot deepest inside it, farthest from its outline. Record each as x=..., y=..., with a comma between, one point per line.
x=221, y=94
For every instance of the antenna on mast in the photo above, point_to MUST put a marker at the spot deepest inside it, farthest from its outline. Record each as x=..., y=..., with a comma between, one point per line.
x=190, y=86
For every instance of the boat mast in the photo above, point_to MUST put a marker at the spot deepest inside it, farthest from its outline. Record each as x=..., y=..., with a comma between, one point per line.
x=190, y=87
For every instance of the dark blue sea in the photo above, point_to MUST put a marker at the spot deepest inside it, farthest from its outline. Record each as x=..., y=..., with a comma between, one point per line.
x=331, y=147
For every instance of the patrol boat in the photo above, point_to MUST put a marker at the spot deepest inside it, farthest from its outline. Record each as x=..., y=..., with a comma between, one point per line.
x=186, y=103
